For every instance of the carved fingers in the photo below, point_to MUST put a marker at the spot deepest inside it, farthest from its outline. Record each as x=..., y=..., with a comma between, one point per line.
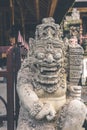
x=74, y=88
x=75, y=91
x=47, y=111
x=51, y=114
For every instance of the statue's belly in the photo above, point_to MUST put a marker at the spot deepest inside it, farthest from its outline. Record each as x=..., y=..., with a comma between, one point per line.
x=56, y=102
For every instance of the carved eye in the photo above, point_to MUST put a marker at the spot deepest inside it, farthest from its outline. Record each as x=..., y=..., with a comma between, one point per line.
x=57, y=56
x=44, y=34
x=40, y=55
x=53, y=34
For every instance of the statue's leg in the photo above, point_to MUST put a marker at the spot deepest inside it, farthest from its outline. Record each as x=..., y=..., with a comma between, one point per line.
x=73, y=116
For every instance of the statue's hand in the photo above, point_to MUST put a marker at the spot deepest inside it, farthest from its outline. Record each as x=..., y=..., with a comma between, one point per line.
x=47, y=111
x=51, y=114
x=74, y=89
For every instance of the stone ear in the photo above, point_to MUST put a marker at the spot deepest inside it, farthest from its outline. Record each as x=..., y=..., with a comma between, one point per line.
x=31, y=43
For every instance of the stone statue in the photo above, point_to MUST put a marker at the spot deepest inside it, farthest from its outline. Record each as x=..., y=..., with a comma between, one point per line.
x=72, y=24
x=42, y=85
x=75, y=14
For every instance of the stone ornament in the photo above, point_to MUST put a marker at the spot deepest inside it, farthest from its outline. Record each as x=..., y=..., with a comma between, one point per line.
x=42, y=84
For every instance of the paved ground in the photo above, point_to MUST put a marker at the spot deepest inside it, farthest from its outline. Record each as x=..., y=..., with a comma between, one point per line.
x=3, y=93
x=4, y=127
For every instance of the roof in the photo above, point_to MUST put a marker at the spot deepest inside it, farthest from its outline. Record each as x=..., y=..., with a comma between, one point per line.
x=26, y=14
x=32, y=11
x=81, y=0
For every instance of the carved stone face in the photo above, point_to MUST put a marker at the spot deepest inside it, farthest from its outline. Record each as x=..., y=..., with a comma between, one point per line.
x=48, y=56
x=48, y=62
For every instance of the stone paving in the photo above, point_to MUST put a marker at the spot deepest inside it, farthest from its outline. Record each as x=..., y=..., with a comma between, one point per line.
x=3, y=93
x=4, y=127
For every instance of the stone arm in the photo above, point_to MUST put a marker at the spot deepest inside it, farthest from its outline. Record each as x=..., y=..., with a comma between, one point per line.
x=28, y=98
x=74, y=91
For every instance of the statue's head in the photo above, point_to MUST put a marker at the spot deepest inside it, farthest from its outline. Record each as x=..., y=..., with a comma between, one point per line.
x=47, y=52
x=48, y=29
x=47, y=46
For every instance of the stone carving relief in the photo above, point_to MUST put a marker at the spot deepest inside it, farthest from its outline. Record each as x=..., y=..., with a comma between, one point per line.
x=75, y=17
x=75, y=14
x=42, y=84
x=72, y=24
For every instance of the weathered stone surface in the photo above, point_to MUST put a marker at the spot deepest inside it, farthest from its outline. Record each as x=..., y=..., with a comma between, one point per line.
x=75, y=61
x=74, y=117
x=42, y=84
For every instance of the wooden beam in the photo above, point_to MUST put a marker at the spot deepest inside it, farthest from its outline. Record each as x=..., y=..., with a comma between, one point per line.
x=12, y=11
x=82, y=10
x=11, y=3
x=37, y=10
x=22, y=16
x=52, y=7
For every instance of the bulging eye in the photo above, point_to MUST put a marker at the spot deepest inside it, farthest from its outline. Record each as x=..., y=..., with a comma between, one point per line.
x=40, y=55
x=57, y=56
x=44, y=34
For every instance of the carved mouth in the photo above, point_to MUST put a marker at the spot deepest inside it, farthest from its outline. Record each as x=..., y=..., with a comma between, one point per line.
x=47, y=65
x=48, y=82
x=48, y=75
x=48, y=69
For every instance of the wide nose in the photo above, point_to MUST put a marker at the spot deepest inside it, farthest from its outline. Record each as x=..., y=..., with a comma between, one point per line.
x=49, y=58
